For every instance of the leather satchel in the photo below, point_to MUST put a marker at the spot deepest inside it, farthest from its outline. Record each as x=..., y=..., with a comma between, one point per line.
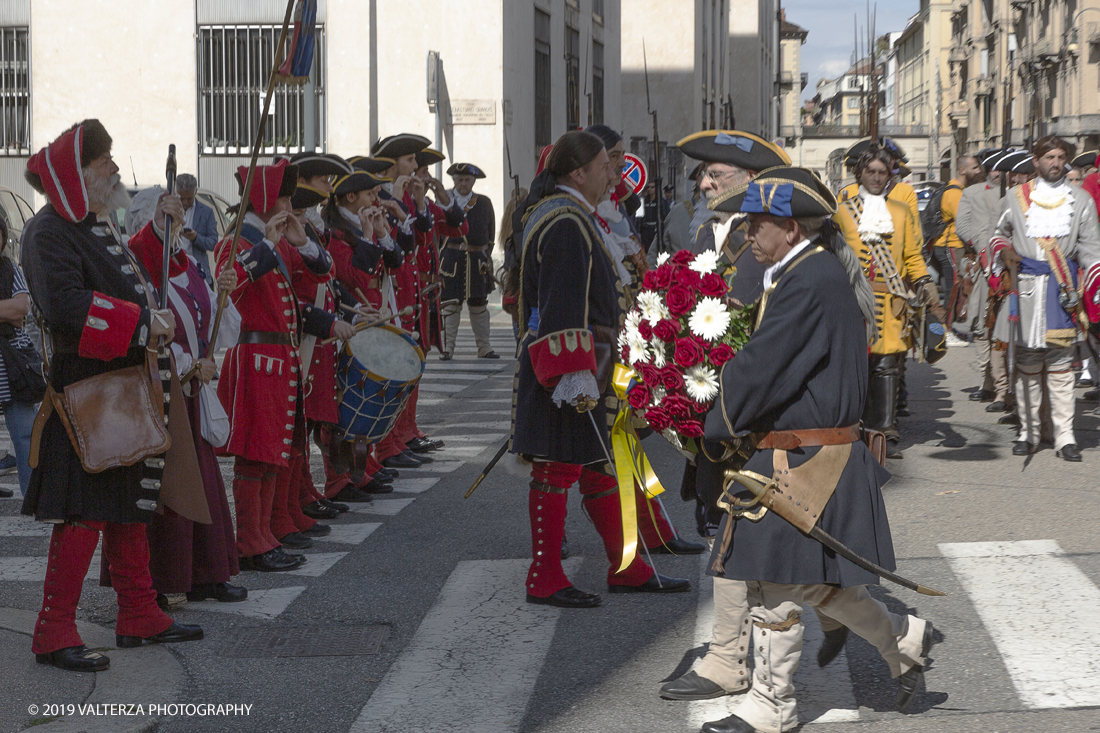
x=603, y=346
x=113, y=419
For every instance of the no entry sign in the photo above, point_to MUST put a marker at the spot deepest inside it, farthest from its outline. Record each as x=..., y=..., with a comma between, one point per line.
x=635, y=173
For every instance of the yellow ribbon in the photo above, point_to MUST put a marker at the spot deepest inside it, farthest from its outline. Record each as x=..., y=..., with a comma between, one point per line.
x=631, y=465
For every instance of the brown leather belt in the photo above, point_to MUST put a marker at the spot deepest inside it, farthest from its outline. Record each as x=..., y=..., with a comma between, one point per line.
x=463, y=247
x=280, y=338
x=791, y=439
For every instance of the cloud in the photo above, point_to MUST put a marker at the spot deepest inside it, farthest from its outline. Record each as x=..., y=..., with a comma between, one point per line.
x=833, y=68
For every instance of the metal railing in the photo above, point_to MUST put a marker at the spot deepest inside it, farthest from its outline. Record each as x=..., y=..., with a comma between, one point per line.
x=15, y=92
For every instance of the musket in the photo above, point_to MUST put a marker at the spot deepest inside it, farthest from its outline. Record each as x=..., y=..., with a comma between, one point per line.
x=223, y=296
x=656, y=155
x=508, y=155
x=170, y=174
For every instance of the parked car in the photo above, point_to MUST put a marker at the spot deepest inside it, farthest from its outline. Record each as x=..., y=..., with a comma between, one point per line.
x=16, y=212
x=205, y=196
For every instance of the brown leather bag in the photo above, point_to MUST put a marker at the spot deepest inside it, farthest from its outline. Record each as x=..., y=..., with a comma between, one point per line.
x=113, y=419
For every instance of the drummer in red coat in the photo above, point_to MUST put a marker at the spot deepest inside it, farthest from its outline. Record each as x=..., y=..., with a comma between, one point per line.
x=259, y=386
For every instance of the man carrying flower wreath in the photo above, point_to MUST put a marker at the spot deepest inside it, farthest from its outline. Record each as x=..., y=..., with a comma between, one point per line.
x=569, y=311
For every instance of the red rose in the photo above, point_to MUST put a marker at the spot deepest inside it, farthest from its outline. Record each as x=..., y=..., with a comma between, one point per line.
x=688, y=353
x=662, y=276
x=666, y=330
x=645, y=329
x=682, y=257
x=649, y=280
x=688, y=278
x=658, y=419
x=638, y=397
x=713, y=286
x=671, y=379
x=680, y=300
x=677, y=405
x=689, y=428
x=650, y=374
x=720, y=354
x=624, y=355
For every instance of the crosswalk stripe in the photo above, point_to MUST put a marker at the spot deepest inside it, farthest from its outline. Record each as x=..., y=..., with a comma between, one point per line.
x=317, y=563
x=451, y=677
x=485, y=438
x=350, y=534
x=262, y=604
x=1042, y=612
x=387, y=507
x=447, y=388
x=20, y=526
x=437, y=467
x=414, y=485
x=824, y=695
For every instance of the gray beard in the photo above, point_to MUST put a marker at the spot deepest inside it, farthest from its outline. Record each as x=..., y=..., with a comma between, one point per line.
x=106, y=195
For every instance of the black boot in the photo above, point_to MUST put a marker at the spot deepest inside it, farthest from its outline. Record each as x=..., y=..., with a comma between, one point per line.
x=881, y=410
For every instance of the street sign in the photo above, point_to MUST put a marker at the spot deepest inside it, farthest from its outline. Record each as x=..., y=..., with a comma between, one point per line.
x=433, y=80
x=635, y=173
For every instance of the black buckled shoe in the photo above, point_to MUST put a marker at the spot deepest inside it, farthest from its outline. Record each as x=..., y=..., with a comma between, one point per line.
x=893, y=451
x=982, y=395
x=391, y=472
x=383, y=478
x=7, y=494
x=177, y=632
x=422, y=458
x=272, y=561
x=340, y=508
x=404, y=459
x=317, y=510
x=221, y=592
x=831, y=645
x=352, y=495
x=732, y=724
x=374, y=486
x=1010, y=419
x=1021, y=448
x=75, y=659
x=423, y=445
x=569, y=597
x=317, y=530
x=445, y=356
x=655, y=584
x=693, y=686
x=910, y=682
x=678, y=546
x=1069, y=453
x=296, y=541
x=490, y=355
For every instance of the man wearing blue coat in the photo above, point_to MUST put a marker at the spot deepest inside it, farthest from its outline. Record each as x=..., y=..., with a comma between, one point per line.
x=200, y=228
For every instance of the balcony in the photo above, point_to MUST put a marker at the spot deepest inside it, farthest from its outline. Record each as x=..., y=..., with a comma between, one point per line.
x=982, y=86
x=959, y=110
x=957, y=54
x=821, y=131
x=786, y=79
x=805, y=79
x=957, y=6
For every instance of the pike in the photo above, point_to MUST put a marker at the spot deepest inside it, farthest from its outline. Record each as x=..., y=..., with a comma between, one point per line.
x=760, y=488
x=656, y=155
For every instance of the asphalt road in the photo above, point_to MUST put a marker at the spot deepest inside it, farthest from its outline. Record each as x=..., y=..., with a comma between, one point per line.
x=440, y=579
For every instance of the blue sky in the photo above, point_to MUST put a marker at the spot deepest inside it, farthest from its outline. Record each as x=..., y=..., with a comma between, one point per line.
x=828, y=49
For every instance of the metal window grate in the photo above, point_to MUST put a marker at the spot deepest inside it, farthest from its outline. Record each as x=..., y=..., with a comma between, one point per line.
x=542, y=79
x=234, y=63
x=597, y=83
x=572, y=78
x=15, y=92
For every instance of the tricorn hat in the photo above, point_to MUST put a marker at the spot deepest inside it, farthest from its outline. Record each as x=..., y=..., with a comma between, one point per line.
x=269, y=183
x=783, y=191
x=851, y=155
x=306, y=196
x=373, y=165
x=465, y=169
x=320, y=164
x=355, y=182
x=1011, y=159
x=396, y=146
x=733, y=147
x=428, y=156
x=1085, y=160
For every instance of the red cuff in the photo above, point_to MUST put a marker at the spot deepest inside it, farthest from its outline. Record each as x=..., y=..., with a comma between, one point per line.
x=561, y=353
x=1091, y=288
x=109, y=328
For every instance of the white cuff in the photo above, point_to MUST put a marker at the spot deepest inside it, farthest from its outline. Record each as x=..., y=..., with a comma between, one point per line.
x=387, y=243
x=310, y=249
x=576, y=385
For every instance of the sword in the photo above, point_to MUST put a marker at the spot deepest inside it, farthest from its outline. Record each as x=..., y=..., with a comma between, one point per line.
x=485, y=471
x=759, y=489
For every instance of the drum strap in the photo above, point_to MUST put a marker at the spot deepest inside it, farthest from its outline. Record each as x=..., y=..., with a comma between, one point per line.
x=309, y=341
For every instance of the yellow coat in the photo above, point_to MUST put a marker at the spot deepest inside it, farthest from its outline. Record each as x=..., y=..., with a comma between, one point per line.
x=902, y=192
x=905, y=244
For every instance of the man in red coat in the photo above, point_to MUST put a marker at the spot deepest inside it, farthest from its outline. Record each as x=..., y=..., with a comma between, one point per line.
x=260, y=385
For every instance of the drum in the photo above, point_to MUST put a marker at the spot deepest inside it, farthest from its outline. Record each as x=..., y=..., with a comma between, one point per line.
x=377, y=370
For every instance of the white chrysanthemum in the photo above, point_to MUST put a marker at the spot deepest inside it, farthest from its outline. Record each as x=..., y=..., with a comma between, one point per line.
x=662, y=258
x=710, y=319
x=658, y=347
x=651, y=307
x=633, y=318
x=702, y=383
x=639, y=347
x=704, y=262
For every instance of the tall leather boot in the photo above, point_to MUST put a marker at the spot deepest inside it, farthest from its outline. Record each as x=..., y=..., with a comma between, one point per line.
x=479, y=322
x=71, y=550
x=452, y=317
x=880, y=412
x=601, y=501
x=127, y=551
x=903, y=389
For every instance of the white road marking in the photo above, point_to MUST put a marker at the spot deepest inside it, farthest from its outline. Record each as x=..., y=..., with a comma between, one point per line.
x=317, y=563
x=824, y=695
x=479, y=425
x=387, y=507
x=26, y=568
x=263, y=604
x=444, y=388
x=21, y=526
x=1042, y=612
x=350, y=534
x=437, y=467
x=474, y=661
x=413, y=485
x=485, y=438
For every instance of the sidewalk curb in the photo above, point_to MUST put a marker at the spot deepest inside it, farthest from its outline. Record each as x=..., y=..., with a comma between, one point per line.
x=148, y=675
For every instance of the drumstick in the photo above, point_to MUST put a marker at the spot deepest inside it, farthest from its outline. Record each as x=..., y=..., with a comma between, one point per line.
x=407, y=311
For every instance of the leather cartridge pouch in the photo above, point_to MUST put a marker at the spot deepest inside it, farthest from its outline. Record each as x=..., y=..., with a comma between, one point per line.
x=800, y=494
x=603, y=345
x=113, y=419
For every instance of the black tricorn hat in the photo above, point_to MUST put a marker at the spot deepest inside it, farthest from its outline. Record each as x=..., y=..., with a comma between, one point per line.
x=373, y=165
x=428, y=156
x=320, y=164
x=1027, y=165
x=733, y=147
x=1011, y=159
x=465, y=169
x=396, y=146
x=355, y=182
x=990, y=160
x=783, y=191
x=851, y=155
x=306, y=196
x=1085, y=160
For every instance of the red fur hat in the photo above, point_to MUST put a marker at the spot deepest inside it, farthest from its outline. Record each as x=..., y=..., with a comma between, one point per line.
x=269, y=183
x=56, y=170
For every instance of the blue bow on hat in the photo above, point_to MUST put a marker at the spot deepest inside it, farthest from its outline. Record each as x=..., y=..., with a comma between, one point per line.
x=742, y=142
x=768, y=198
